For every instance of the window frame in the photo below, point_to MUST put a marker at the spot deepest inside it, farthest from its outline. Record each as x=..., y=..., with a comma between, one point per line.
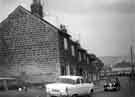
x=80, y=56
x=88, y=60
x=73, y=50
x=84, y=56
x=65, y=43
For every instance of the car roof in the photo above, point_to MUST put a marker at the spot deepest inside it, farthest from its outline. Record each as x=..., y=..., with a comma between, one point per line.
x=71, y=77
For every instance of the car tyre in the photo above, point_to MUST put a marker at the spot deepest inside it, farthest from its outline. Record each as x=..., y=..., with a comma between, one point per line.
x=92, y=90
x=105, y=89
x=75, y=95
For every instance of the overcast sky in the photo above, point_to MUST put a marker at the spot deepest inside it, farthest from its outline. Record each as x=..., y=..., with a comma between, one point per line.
x=104, y=27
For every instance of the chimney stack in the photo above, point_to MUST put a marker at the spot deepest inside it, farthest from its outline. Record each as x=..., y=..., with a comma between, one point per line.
x=36, y=8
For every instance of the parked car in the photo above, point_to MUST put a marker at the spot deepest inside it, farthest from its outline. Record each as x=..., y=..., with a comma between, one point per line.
x=112, y=84
x=69, y=86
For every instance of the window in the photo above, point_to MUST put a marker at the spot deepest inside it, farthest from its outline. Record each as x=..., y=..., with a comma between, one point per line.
x=87, y=60
x=84, y=56
x=72, y=71
x=65, y=44
x=80, y=56
x=73, y=50
x=63, y=70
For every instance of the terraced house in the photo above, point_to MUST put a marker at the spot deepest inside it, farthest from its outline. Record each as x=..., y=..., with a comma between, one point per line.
x=37, y=51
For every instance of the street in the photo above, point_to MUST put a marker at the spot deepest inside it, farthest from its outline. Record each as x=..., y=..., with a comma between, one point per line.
x=70, y=48
x=127, y=90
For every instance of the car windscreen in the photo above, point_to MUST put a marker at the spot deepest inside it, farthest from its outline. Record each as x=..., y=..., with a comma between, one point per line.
x=113, y=80
x=65, y=80
x=110, y=80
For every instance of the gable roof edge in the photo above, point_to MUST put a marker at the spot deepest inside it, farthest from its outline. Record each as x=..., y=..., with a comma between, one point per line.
x=38, y=18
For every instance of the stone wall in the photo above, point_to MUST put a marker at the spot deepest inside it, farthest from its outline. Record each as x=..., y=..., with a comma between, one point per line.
x=29, y=45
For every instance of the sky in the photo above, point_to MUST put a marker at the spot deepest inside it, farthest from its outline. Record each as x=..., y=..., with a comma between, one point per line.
x=103, y=27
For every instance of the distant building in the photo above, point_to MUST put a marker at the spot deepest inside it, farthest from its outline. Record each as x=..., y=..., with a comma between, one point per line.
x=37, y=51
x=123, y=66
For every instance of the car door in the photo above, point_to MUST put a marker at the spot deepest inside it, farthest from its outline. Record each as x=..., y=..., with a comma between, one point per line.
x=78, y=87
x=84, y=87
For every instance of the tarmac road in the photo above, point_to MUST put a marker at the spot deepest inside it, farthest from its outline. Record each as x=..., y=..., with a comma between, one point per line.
x=127, y=90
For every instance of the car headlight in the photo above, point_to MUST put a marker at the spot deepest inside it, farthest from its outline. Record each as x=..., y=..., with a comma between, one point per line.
x=110, y=84
x=19, y=89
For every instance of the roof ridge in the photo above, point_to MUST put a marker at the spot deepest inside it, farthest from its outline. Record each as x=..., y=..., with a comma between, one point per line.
x=41, y=19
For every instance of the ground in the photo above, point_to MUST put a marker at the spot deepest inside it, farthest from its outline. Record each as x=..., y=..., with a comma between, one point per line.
x=127, y=90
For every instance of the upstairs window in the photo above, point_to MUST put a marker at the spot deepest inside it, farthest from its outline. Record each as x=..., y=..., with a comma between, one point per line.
x=73, y=50
x=63, y=70
x=65, y=44
x=87, y=60
x=80, y=57
x=84, y=56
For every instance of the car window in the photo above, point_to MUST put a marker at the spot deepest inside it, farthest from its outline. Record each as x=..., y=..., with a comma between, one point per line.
x=65, y=80
x=108, y=80
x=81, y=81
x=78, y=81
x=111, y=80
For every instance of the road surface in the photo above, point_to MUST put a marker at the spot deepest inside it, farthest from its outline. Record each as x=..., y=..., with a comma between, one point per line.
x=127, y=90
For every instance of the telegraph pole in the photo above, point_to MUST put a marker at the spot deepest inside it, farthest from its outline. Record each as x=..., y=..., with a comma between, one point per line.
x=132, y=61
x=132, y=53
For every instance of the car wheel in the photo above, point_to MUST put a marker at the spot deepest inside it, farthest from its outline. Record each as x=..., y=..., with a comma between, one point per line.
x=105, y=89
x=92, y=90
x=75, y=95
